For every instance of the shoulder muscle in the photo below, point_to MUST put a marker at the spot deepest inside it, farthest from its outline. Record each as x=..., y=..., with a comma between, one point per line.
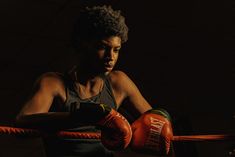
x=46, y=88
x=123, y=84
x=51, y=83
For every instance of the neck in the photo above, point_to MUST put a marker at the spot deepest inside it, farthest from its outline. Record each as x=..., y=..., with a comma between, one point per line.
x=85, y=77
x=88, y=85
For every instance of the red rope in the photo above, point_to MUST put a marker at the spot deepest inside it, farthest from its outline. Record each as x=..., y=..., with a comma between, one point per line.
x=204, y=137
x=91, y=135
x=18, y=131
x=86, y=135
x=33, y=132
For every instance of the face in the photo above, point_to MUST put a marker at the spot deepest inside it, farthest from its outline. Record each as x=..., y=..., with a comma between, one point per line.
x=103, y=54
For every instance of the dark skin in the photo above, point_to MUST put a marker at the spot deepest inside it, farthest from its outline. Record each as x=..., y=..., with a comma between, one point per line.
x=101, y=57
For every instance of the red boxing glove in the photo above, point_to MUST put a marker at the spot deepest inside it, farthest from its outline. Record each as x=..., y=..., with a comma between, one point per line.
x=116, y=131
x=152, y=133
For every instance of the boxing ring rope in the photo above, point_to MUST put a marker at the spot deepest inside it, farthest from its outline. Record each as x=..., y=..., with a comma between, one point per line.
x=217, y=137
x=5, y=130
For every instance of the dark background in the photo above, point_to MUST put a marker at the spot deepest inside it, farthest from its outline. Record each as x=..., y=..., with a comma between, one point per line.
x=180, y=54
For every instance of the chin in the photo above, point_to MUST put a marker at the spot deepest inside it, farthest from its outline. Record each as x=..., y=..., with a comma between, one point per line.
x=107, y=70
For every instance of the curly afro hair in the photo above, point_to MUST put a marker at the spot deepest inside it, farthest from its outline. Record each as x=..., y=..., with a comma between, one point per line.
x=99, y=22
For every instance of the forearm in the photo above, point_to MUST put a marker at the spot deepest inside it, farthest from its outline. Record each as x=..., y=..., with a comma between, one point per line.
x=48, y=120
x=61, y=120
x=84, y=114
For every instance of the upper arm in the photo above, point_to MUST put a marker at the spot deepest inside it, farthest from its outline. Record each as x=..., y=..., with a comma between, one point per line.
x=130, y=92
x=46, y=88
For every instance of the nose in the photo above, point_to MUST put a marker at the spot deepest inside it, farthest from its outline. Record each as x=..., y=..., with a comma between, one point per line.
x=110, y=54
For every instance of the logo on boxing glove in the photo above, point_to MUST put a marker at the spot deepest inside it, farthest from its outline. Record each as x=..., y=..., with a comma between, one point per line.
x=153, y=140
x=152, y=133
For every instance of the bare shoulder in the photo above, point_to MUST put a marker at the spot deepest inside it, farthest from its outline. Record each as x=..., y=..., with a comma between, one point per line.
x=121, y=82
x=128, y=90
x=51, y=81
x=50, y=76
x=118, y=77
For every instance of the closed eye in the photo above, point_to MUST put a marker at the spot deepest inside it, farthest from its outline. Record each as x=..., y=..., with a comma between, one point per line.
x=116, y=50
x=101, y=47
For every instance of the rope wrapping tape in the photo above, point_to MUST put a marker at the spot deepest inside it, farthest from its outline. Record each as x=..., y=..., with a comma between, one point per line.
x=4, y=130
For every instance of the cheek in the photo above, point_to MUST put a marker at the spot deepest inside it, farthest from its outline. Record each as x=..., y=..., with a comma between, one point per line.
x=100, y=54
x=116, y=56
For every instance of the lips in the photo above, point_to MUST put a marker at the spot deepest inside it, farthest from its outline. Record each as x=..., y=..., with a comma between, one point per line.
x=108, y=64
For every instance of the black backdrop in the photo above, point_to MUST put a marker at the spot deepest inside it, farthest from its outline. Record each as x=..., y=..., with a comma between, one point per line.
x=180, y=54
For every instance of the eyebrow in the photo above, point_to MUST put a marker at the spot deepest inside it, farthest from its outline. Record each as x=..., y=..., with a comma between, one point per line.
x=106, y=44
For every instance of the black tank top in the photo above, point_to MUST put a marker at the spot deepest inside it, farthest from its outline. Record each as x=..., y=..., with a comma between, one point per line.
x=62, y=147
x=105, y=96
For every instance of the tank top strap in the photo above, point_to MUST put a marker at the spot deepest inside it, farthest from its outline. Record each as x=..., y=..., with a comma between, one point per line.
x=71, y=94
x=107, y=93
